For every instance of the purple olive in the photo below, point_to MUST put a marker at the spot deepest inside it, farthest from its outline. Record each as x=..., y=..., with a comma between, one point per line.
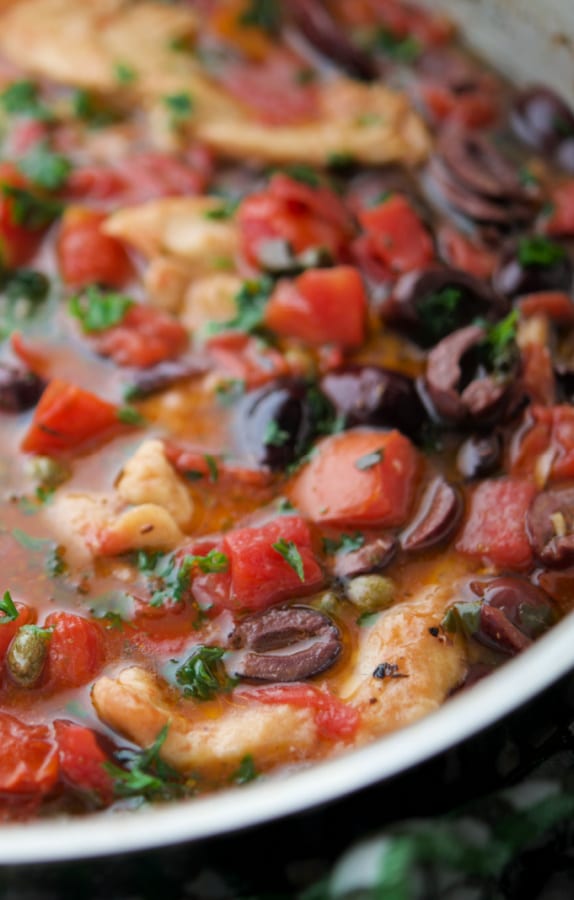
x=289, y=643
x=480, y=456
x=276, y=423
x=535, y=264
x=314, y=21
x=19, y=390
x=369, y=395
x=431, y=304
x=145, y=382
x=550, y=525
x=513, y=612
x=436, y=519
x=542, y=119
x=373, y=556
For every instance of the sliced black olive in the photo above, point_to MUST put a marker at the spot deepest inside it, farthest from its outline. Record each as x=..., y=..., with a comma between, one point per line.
x=145, y=382
x=321, y=30
x=542, y=119
x=535, y=264
x=370, y=395
x=373, y=556
x=462, y=384
x=513, y=612
x=550, y=525
x=289, y=643
x=435, y=302
x=480, y=455
x=276, y=424
x=19, y=390
x=436, y=519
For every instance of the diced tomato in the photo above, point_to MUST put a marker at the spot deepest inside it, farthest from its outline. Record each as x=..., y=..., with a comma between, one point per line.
x=460, y=252
x=321, y=306
x=82, y=759
x=300, y=214
x=473, y=109
x=8, y=628
x=145, y=336
x=66, y=418
x=544, y=446
x=30, y=353
x=186, y=460
x=243, y=357
x=18, y=242
x=560, y=221
x=75, y=650
x=538, y=373
x=557, y=305
x=358, y=478
x=397, y=235
x=334, y=719
x=95, y=183
x=28, y=757
x=400, y=18
x=495, y=529
x=86, y=255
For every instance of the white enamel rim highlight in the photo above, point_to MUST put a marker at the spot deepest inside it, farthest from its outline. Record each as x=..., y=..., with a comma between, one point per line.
x=465, y=715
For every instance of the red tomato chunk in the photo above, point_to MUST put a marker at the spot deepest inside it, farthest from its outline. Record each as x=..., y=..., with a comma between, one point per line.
x=87, y=255
x=75, y=650
x=82, y=759
x=397, y=237
x=496, y=526
x=146, y=336
x=28, y=757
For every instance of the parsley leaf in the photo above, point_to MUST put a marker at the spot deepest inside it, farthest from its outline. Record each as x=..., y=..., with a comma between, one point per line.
x=274, y=435
x=21, y=99
x=98, y=310
x=499, y=345
x=250, y=302
x=264, y=14
x=370, y=459
x=226, y=210
x=304, y=174
x=180, y=107
x=288, y=550
x=8, y=609
x=214, y=561
x=245, y=772
x=129, y=415
x=124, y=73
x=539, y=251
x=203, y=675
x=29, y=209
x=399, y=49
x=146, y=774
x=25, y=284
x=45, y=168
x=346, y=543
x=439, y=312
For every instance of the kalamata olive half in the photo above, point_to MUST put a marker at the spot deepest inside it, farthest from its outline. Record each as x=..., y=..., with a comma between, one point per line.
x=480, y=455
x=324, y=34
x=288, y=643
x=145, y=382
x=276, y=423
x=514, y=612
x=550, y=526
x=542, y=119
x=435, y=302
x=535, y=264
x=373, y=556
x=371, y=395
x=19, y=390
x=436, y=519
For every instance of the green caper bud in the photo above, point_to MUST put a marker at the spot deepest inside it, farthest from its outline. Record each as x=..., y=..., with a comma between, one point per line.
x=329, y=603
x=27, y=655
x=371, y=592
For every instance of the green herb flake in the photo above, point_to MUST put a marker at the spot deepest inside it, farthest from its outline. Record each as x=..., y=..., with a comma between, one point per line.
x=8, y=609
x=91, y=110
x=28, y=542
x=212, y=467
x=404, y=50
x=539, y=251
x=230, y=390
x=250, y=303
x=203, y=674
x=179, y=107
x=129, y=415
x=45, y=168
x=222, y=213
x=124, y=73
x=346, y=543
x=274, y=435
x=25, y=284
x=370, y=459
x=367, y=619
x=55, y=562
x=340, y=160
x=214, y=561
x=29, y=209
x=439, y=312
x=21, y=99
x=499, y=345
x=97, y=309
x=263, y=14
x=245, y=772
x=145, y=774
x=304, y=174
x=290, y=553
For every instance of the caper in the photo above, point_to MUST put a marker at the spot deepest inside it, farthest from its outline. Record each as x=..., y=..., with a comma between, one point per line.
x=27, y=655
x=371, y=592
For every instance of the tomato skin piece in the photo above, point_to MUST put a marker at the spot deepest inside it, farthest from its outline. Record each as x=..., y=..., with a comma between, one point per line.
x=560, y=222
x=66, y=418
x=476, y=109
x=26, y=616
x=334, y=719
x=495, y=529
x=82, y=759
x=322, y=306
x=28, y=757
x=75, y=650
x=241, y=356
x=547, y=430
x=145, y=336
x=17, y=243
x=260, y=576
x=557, y=305
x=461, y=252
x=398, y=237
x=86, y=255
x=331, y=488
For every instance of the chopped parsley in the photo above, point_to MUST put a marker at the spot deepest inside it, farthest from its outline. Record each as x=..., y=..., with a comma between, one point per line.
x=225, y=211
x=179, y=107
x=21, y=99
x=214, y=561
x=439, y=312
x=129, y=415
x=124, y=73
x=274, y=435
x=539, y=251
x=288, y=550
x=245, y=772
x=499, y=345
x=264, y=14
x=346, y=543
x=55, y=562
x=97, y=309
x=399, y=49
x=169, y=576
x=89, y=109
x=25, y=284
x=230, y=390
x=30, y=210
x=370, y=459
x=212, y=467
x=366, y=619
x=203, y=674
x=8, y=609
x=45, y=168
x=340, y=160
x=250, y=303
x=145, y=774
x=304, y=174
